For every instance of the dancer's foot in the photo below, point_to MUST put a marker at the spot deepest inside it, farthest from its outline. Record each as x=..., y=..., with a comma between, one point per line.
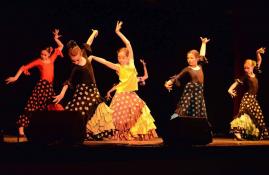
x=21, y=132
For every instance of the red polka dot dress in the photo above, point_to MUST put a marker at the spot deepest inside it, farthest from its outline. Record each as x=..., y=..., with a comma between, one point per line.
x=43, y=91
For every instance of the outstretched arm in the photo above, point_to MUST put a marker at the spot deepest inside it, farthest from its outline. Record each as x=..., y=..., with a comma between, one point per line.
x=14, y=78
x=169, y=84
x=232, y=90
x=174, y=79
x=23, y=69
x=91, y=38
x=259, y=57
x=124, y=39
x=56, y=38
x=105, y=62
x=59, y=97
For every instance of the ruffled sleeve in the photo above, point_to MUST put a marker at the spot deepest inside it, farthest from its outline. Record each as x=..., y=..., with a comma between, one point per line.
x=25, y=68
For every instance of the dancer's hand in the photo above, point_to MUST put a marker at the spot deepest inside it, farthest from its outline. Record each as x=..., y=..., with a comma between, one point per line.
x=57, y=98
x=233, y=93
x=96, y=32
x=108, y=96
x=143, y=62
x=56, y=33
x=118, y=26
x=168, y=85
x=204, y=40
x=261, y=50
x=10, y=80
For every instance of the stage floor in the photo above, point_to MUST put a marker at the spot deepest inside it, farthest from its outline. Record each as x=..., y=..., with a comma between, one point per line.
x=158, y=142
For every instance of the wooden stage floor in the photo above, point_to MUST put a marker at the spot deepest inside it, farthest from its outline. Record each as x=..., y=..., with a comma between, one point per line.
x=158, y=142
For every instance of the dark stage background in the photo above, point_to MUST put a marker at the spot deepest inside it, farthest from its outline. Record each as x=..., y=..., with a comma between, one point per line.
x=160, y=31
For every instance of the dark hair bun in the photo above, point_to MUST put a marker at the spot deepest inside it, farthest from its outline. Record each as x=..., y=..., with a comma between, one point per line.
x=71, y=44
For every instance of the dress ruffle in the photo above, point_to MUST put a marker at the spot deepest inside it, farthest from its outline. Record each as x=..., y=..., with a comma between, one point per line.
x=245, y=126
x=101, y=120
x=144, y=125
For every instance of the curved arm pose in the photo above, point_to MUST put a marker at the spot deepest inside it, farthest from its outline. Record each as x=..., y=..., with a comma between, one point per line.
x=139, y=124
x=43, y=92
x=250, y=113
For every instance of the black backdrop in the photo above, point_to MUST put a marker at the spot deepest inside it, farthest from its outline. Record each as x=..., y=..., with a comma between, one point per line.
x=160, y=31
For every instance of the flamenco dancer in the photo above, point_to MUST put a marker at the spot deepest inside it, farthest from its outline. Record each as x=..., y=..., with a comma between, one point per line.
x=249, y=123
x=43, y=92
x=131, y=116
x=192, y=101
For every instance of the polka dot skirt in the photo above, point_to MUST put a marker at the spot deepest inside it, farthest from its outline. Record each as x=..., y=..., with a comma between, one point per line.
x=127, y=107
x=101, y=124
x=85, y=100
x=192, y=101
x=250, y=106
x=40, y=98
x=131, y=119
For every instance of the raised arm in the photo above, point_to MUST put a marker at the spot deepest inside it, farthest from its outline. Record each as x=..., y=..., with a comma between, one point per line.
x=56, y=38
x=259, y=57
x=91, y=38
x=124, y=39
x=203, y=48
x=145, y=76
x=105, y=62
x=232, y=90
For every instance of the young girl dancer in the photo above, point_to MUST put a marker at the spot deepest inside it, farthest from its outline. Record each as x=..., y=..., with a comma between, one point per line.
x=86, y=98
x=192, y=101
x=131, y=116
x=43, y=91
x=249, y=123
x=141, y=80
